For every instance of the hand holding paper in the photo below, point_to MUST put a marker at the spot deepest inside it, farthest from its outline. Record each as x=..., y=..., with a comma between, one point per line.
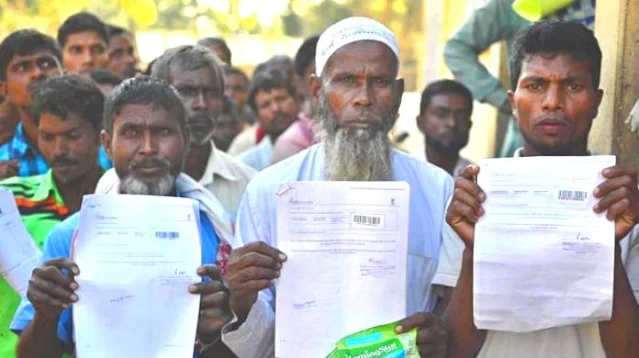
x=250, y=269
x=465, y=206
x=542, y=248
x=52, y=287
x=619, y=198
x=214, y=303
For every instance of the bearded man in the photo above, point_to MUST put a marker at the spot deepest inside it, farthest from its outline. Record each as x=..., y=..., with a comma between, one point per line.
x=358, y=93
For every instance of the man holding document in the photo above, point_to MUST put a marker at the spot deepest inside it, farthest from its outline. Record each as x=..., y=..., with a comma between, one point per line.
x=147, y=137
x=555, y=78
x=356, y=85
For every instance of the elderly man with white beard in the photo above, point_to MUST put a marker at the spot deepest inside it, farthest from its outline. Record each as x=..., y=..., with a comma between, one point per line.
x=359, y=93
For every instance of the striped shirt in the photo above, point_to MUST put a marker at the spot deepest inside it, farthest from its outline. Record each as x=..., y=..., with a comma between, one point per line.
x=41, y=208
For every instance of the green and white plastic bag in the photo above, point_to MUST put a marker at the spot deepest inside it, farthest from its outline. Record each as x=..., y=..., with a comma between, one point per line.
x=377, y=342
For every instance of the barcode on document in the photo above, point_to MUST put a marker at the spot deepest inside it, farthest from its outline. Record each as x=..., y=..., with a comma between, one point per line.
x=367, y=220
x=167, y=235
x=573, y=195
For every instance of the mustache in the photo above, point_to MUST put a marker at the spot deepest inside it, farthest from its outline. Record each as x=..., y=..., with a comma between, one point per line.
x=199, y=118
x=150, y=163
x=281, y=115
x=64, y=160
x=33, y=86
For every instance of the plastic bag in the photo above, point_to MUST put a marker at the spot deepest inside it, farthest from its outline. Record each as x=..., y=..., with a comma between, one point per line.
x=377, y=342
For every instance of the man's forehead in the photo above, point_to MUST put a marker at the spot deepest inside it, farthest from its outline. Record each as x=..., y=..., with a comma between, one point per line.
x=349, y=57
x=32, y=56
x=554, y=64
x=202, y=76
x=84, y=37
x=264, y=94
x=450, y=100
x=53, y=122
x=121, y=40
x=146, y=114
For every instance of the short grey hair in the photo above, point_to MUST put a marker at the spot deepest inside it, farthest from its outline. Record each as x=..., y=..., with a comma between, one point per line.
x=188, y=57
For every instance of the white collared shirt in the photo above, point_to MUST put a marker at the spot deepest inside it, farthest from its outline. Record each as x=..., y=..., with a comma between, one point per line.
x=461, y=162
x=430, y=189
x=226, y=177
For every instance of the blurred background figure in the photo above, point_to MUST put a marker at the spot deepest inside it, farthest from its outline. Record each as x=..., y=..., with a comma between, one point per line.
x=27, y=58
x=276, y=108
x=84, y=40
x=230, y=123
x=105, y=79
x=123, y=58
x=303, y=133
x=219, y=48
x=304, y=68
x=444, y=119
x=236, y=87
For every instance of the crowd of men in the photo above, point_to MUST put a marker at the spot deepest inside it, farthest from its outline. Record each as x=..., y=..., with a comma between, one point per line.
x=79, y=116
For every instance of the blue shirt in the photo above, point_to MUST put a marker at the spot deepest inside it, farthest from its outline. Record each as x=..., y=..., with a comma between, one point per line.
x=430, y=189
x=31, y=161
x=260, y=156
x=58, y=244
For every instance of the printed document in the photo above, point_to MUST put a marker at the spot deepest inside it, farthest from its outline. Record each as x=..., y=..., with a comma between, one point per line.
x=19, y=255
x=542, y=257
x=347, y=246
x=137, y=256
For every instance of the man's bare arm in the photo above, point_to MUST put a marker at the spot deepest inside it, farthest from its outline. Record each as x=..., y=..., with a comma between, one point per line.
x=464, y=339
x=40, y=339
x=620, y=335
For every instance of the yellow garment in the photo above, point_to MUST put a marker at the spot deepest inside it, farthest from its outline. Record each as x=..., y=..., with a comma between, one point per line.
x=534, y=10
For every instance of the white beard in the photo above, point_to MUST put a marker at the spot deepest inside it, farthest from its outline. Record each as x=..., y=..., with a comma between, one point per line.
x=363, y=155
x=134, y=186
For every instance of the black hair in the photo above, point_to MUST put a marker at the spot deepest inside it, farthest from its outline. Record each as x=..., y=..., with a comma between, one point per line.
x=25, y=42
x=441, y=87
x=105, y=77
x=64, y=95
x=267, y=83
x=82, y=22
x=229, y=71
x=219, y=43
x=305, y=55
x=147, y=91
x=187, y=58
x=114, y=30
x=551, y=37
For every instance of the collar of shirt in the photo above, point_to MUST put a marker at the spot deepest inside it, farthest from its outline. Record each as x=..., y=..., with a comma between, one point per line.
x=48, y=188
x=519, y=153
x=462, y=162
x=214, y=167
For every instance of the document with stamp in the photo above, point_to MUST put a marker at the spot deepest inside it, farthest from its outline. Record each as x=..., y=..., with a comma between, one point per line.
x=137, y=256
x=542, y=257
x=347, y=246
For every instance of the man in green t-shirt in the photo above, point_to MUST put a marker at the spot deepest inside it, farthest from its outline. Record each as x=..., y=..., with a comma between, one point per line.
x=68, y=113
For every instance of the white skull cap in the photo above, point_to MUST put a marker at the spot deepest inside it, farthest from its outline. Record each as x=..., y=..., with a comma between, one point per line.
x=351, y=30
